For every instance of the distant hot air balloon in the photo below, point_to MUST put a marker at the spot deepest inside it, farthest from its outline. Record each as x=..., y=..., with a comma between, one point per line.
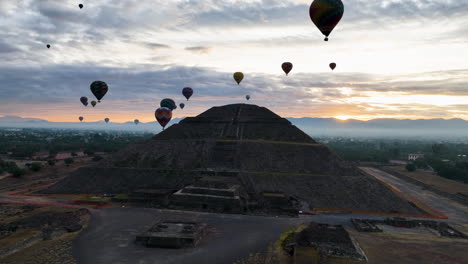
x=182, y=105
x=81, y=118
x=80, y=6
x=238, y=77
x=168, y=103
x=247, y=97
x=93, y=103
x=136, y=121
x=287, y=67
x=84, y=100
x=99, y=89
x=106, y=119
x=332, y=66
x=187, y=92
x=326, y=14
x=48, y=46
x=163, y=115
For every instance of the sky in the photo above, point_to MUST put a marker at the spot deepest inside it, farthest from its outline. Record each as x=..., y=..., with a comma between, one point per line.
x=395, y=58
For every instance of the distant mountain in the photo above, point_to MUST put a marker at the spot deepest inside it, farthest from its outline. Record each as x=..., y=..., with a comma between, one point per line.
x=314, y=126
x=383, y=127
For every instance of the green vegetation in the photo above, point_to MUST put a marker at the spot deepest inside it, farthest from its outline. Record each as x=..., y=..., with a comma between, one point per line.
x=448, y=159
x=36, y=166
x=68, y=161
x=410, y=167
x=11, y=167
x=25, y=143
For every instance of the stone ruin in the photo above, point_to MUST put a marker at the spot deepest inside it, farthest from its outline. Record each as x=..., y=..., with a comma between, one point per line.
x=172, y=235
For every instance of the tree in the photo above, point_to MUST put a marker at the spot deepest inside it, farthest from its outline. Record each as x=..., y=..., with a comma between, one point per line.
x=88, y=152
x=36, y=166
x=17, y=172
x=410, y=167
x=68, y=161
x=51, y=162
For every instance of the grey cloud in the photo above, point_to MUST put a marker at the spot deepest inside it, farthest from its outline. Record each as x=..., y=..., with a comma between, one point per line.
x=199, y=49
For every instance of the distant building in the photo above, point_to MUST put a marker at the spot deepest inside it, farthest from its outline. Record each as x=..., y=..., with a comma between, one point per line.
x=415, y=156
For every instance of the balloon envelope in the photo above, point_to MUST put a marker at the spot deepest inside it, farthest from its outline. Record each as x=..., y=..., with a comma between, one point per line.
x=287, y=67
x=81, y=118
x=187, y=92
x=84, y=100
x=182, y=105
x=168, y=103
x=136, y=121
x=99, y=89
x=80, y=6
x=238, y=77
x=93, y=103
x=106, y=119
x=332, y=65
x=326, y=14
x=163, y=115
x=247, y=97
x=48, y=46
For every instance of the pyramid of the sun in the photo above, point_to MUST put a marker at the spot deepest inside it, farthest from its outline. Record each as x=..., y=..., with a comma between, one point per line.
x=242, y=145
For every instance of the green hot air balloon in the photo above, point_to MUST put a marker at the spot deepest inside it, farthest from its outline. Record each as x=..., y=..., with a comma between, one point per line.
x=238, y=77
x=169, y=103
x=93, y=103
x=326, y=14
x=99, y=89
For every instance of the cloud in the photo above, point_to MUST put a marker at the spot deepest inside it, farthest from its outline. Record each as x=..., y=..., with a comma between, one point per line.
x=199, y=49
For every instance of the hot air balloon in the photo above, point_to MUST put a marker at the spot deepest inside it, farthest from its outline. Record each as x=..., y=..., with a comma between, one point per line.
x=81, y=118
x=287, y=67
x=163, y=115
x=332, y=66
x=168, y=103
x=247, y=97
x=48, y=46
x=326, y=14
x=187, y=92
x=93, y=103
x=136, y=121
x=182, y=105
x=84, y=100
x=99, y=89
x=238, y=76
x=106, y=119
x=80, y=6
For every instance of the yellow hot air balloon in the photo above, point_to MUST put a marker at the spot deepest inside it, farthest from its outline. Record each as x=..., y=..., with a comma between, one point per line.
x=238, y=76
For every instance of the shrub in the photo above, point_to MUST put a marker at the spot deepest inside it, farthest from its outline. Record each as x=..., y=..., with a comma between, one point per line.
x=17, y=172
x=97, y=158
x=68, y=161
x=36, y=166
x=410, y=167
x=51, y=162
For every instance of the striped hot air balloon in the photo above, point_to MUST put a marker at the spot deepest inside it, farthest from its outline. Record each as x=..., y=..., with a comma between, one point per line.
x=163, y=115
x=168, y=103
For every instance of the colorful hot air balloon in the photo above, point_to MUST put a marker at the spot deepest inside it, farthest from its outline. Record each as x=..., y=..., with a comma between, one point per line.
x=238, y=76
x=287, y=67
x=106, y=119
x=182, y=105
x=247, y=97
x=48, y=46
x=80, y=6
x=93, y=103
x=326, y=14
x=168, y=103
x=163, y=115
x=84, y=100
x=99, y=89
x=81, y=118
x=136, y=121
x=332, y=65
x=187, y=92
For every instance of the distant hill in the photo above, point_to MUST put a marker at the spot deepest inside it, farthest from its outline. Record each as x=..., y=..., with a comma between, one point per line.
x=313, y=126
